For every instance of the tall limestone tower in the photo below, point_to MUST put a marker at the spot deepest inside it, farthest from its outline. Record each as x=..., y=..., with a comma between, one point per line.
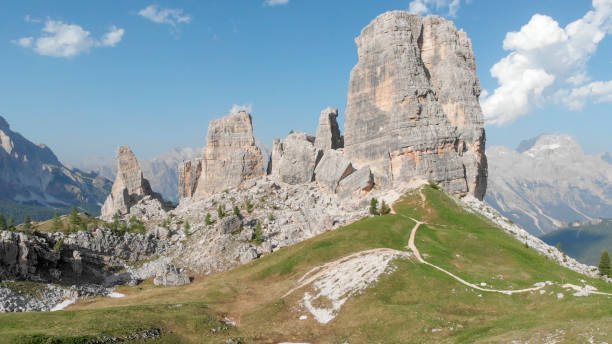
x=412, y=106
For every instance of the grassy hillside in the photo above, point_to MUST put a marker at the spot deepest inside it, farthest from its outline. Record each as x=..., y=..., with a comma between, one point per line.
x=584, y=243
x=413, y=304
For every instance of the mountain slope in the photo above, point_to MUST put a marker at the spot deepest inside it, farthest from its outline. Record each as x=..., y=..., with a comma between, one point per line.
x=31, y=174
x=584, y=241
x=410, y=301
x=549, y=182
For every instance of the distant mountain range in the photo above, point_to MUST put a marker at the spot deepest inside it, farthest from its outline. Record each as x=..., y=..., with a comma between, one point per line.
x=549, y=182
x=34, y=182
x=583, y=241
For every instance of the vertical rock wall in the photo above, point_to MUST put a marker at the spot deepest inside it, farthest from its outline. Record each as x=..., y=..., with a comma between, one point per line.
x=410, y=116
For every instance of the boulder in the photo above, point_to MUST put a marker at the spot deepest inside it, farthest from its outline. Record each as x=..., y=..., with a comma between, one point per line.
x=328, y=132
x=332, y=168
x=230, y=224
x=129, y=187
x=356, y=184
x=231, y=156
x=395, y=121
x=294, y=158
x=171, y=276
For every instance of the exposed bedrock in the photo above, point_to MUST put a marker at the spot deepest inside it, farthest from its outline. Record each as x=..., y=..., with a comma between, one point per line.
x=412, y=106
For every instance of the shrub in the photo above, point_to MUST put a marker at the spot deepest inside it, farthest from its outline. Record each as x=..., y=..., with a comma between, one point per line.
x=236, y=210
x=271, y=217
x=3, y=225
x=59, y=246
x=384, y=208
x=258, y=233
x=221, y=211
x=604, y=264
x=207, y=220
x=249, y=206
x=136, y=225
x=187, y=228
x=374, y=206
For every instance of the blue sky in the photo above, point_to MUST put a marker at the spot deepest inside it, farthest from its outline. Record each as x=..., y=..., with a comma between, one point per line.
x=153, y=77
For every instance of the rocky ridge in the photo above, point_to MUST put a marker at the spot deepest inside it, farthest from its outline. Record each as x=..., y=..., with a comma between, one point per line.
x=32, y=174
x=549, y=182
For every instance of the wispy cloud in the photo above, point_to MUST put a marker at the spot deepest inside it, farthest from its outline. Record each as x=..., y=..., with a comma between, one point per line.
x=548, y=64
x=424, y=7
x=162, y=15
x=59, y=39
x=275, y=2
x=248, y=108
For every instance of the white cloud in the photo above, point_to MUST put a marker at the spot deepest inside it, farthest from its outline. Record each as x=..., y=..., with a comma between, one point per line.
x=29, y=19
x=248, y=108
x=424, y=7
x=275, y=2
x=161, y=15
x=67, y=40
x=548, y=63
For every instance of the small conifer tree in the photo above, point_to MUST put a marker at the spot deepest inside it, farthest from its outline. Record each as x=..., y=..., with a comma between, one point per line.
x=187, y=228
x=74, y=218
x=221, y=211
x=604, y=264
x=249, y=206
x=27, y=223
x=258, y=233
x=236, y=210
x=374, y=206
x=384, y=208
x=11, y=223
x=56, y=225
x=207, y=220
x=3, y=225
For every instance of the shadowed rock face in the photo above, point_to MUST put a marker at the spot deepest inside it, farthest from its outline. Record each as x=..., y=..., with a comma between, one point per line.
x=412, y=107
x=328, y=132
x=130, y=186
x=231, y=157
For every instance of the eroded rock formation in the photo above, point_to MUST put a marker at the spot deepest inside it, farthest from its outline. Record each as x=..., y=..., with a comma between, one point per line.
x=129, y=188
x=231, y=157
x=328, y=132
x=412, y=106
x=294, y=158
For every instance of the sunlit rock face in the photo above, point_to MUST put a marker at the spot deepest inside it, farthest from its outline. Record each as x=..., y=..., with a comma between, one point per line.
x=412, y=106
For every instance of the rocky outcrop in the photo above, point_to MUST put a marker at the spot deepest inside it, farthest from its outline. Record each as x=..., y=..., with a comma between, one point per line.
x=328, y=132
x=294, y=158
x=357, y=184
x=77, y=258
x=231, y=157
x=171, y=276
x=129, y=188
x=332, y=168
x=188, y=175
x=411, y=111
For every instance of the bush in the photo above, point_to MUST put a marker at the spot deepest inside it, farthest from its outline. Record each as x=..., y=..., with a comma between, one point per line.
x=207, y=220
x=374, y=206
x=136, y=225
x=258, y=233
x=271, y=217
x=236, y=210
x=604, y=264
x=221, y=211
x=187, y=228
x=249, y=206
x=384, y=208
x=59, y=246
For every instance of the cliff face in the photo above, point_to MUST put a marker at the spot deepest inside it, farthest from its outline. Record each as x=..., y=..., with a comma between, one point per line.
x=231, y=157
x=412, y=106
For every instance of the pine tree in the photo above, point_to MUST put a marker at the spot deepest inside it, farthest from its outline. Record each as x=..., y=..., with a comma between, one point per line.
x=3, y=225
x=604, y=264
x=115, y=224
x=207, y=220
x=258, y=233
x=374, y=206
x=236, y=210
x=27, y=223
x=56, y=225
x=384, y=208
x=221, y=211
x=11, y=224
x=74, y=219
